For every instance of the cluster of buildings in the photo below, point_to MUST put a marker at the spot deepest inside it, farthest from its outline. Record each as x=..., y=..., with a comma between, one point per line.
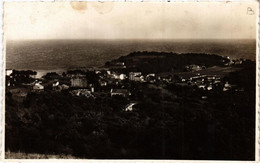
x=234, y=61
x=76, y=82
x=108, y=81
x=204, y=82
x=194, y=67
x=209, y=82
x=82, y=92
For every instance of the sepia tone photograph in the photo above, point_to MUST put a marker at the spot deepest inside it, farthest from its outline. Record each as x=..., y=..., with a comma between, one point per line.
x=129, y=80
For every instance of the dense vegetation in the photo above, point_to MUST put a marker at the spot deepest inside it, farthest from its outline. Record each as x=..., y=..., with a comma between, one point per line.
x=159, y=127
x=155, y=62
x=169, y=122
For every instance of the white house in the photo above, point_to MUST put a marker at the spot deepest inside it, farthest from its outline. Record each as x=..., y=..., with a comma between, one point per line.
x=78, y=82
x=120, y=92
x=38, y=86
x=9, y=72
x=227, y=87
x=55, y=84
x=135, y=76
x=129, y=107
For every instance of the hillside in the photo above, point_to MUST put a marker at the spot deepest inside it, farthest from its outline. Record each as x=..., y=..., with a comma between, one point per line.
x=156, y=62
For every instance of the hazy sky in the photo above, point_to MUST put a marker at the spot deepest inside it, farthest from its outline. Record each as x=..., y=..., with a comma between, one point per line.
x=95, y=20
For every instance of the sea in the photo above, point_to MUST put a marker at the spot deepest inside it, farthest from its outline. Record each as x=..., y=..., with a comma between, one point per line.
x=60, y=55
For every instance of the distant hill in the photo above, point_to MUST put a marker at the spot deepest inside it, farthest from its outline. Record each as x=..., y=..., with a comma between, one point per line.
x=157, y=62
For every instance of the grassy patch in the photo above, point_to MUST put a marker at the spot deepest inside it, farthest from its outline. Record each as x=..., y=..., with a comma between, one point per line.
x=22, y=155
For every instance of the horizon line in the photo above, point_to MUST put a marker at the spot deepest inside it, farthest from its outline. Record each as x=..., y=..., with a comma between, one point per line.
x=41, y=39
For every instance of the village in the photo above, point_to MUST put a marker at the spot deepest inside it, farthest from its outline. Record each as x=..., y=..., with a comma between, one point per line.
x=130, y=81
x=110, y=81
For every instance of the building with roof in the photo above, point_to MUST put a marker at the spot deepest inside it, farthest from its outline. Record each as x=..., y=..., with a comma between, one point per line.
x=120, y=92
x=78, y=82
x=135, y=76
x=8, y=72
x=38, y=87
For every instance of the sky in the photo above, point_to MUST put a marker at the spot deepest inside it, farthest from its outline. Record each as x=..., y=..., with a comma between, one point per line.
x=130, y=20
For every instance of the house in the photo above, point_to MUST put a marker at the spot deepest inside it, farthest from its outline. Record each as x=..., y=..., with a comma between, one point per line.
x=120, y=92
x=135, y=76
x=81, y=92
x=64, y=86
x=92, y=89
x=38, y=87
x=55, y=84
x=8, y=72
x=9, y=78
x=61, y=87
x=119, y=63
x=193, y=68
x=122, y=76
x=202, y=87
x=152, y=74
x=227, y=87
x=238, y=62
x=102, y=83
x=138, y=78
x=119, y=76
x=9, y=81
x=204, y=97
x=209, y=87
x=210, y=78
x=151, y=78
x=129, y=107
x=98, y=72
x=78, y=82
